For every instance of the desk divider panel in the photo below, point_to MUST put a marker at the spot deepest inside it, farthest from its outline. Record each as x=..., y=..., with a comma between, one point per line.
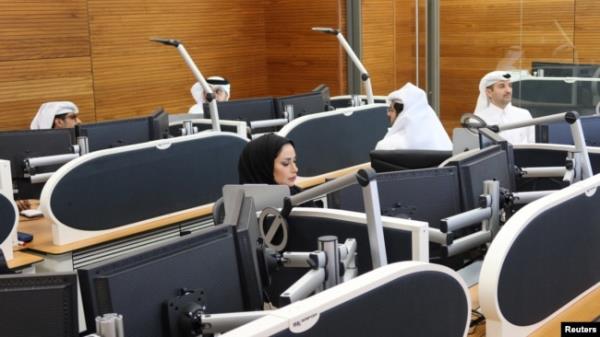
x=109, y=189
x=330, y=141
x=545, y=257
x=400, y=299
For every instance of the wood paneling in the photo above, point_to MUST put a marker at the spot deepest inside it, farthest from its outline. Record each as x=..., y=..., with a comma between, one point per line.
x=479, y=36
x=132, y=75
x=299, y=59
x=44, y=55
x=587, y=31
x=389, y=38
x=97, y=53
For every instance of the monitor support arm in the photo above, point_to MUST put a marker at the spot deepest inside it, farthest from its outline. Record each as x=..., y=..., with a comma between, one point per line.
x=35, y=162
x=325, y=261
x=364, y=75
x=583, y=167
x=325, y=268
x=210, y=96
x=366, y=179
x=488, y=214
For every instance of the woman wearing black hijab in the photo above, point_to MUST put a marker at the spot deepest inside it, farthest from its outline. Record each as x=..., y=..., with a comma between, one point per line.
x=269, y=159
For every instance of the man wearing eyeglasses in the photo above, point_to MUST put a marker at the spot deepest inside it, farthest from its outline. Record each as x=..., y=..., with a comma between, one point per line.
x=414, y=125
x=56, y=115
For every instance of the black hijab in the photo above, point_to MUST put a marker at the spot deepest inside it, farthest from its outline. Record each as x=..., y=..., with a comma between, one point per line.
x=258, y=158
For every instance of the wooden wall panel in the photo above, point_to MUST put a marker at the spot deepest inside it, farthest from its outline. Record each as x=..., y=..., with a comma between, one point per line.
x=299, y=59
x=379, y=44
x=44, y=55
x=481, y=36
x=587, y=31
x=389, y=38
x=97, y=53
x=132, y=75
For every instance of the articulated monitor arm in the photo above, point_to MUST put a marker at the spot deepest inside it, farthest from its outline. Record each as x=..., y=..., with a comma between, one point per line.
x=210, y=95
x=364, y=75
x=488, y=215
x=366, y=179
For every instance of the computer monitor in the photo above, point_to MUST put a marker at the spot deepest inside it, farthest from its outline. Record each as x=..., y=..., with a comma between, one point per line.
x=304, y=104
x=253, y=109
x=554, y=69
x=41, y=305
x=325, y=93
x=115, y=133
x=396, y=160
x=17, y=146
x=139, y=285
x=491, y=163
x=424, y=194
x=160, y=124
x=560, y=133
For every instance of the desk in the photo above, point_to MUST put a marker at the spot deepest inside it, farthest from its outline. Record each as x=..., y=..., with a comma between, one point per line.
x=585, y=310
x=306, y=182
x=23, y=260
x=42, y=231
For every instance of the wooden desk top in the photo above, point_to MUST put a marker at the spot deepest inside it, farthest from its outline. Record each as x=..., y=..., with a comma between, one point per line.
x=41, y=229
x=306, y=182
x=584, y=310
x=22, y=259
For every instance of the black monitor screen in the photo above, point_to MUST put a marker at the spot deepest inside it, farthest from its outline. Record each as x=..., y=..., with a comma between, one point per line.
x=425, y=194
x=491, y=163
x=41, y=305
x=17, y=146
x=139, y=285
x=304, y=104
x=110, y=134
x=560, y=133
x=253, y=109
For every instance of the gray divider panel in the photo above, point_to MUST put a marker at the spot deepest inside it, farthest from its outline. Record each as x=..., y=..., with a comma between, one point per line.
x=334, y=142
x=554, y=259
x=132, y=186
x=7, y=217
x=304, y=232
x=422, y=304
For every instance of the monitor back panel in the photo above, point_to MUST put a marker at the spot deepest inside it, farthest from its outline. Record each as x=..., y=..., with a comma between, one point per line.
x=138, y=285
x=42, y=305
x=111, y=134
x=491, y=163
x=304, y=104
x=426, y=195
x=253, y=109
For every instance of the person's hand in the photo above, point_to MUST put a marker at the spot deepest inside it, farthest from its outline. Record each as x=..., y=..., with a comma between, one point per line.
x=23, y=205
